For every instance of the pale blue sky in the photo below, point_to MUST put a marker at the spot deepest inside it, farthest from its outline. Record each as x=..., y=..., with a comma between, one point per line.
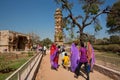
x=36, y=16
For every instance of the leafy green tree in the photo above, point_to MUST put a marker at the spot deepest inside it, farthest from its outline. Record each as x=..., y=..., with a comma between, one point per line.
x=115, y=39
x=99, y=41
x=113, y=19
x=46, y=42
x=106, y=40
x=91, y=10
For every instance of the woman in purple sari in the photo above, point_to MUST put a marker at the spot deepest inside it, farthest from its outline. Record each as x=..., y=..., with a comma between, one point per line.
x=93, y=59
x=74, y=57
x=54, y=56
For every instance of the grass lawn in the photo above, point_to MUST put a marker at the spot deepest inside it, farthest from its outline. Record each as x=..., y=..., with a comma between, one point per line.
x=12, y=64
x=3, y=76
x=109, y=54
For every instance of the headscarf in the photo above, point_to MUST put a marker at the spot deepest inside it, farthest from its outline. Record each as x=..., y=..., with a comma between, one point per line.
x=52, y=49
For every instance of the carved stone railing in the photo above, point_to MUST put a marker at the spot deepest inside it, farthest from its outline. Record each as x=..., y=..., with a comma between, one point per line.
x=28, y=70
x=115, y=75
x=109, y=66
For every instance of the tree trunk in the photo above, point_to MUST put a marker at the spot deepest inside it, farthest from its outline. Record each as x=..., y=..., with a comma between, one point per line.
x=81, y=35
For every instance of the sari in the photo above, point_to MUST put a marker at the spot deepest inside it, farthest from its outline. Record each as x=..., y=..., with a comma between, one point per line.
x=74, y=57
x=93, y=58
x=54, y=56
x=91, y=55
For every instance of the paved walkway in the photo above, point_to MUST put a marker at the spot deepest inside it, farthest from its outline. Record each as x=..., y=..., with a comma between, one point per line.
x=45, y=73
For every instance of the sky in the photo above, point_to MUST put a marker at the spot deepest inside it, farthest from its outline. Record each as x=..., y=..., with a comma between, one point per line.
x=27, y=16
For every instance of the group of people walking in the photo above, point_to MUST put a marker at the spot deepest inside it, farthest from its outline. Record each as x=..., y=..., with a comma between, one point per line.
x=77, y=57
x=41, y=49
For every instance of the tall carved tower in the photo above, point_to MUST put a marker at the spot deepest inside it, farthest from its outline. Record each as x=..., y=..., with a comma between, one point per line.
x=58, y=37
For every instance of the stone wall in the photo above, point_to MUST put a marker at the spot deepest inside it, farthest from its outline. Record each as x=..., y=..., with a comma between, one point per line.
x=13, y=41
x=4, y=40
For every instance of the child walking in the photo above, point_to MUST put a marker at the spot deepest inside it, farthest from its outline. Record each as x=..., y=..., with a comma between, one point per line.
x=66, y=61
x=63, y=54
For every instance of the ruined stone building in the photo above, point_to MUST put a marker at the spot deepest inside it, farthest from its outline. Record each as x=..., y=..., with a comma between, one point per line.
x=13, y=41
x=58, y=37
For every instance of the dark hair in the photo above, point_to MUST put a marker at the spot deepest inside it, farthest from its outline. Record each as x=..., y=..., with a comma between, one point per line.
x=82, y=44
x=90, y=41
x=63, y=50
x=58, y=46
x=65, y=54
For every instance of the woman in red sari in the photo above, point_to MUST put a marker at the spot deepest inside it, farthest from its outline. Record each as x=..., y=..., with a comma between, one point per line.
x=54, y=56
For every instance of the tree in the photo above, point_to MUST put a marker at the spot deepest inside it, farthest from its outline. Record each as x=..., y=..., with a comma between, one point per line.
x=115, y=39
x=106, y=40
x=113, y=19
x=34, y=38
x=91, y=10
x=46, y=42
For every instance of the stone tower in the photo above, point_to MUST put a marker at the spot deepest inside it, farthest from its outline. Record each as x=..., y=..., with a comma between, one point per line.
x=58, y=37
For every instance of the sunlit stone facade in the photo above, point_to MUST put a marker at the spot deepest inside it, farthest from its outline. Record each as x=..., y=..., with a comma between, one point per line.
x=14, y=41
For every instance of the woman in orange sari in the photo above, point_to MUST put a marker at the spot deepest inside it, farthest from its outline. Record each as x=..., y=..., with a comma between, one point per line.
x=91, y=55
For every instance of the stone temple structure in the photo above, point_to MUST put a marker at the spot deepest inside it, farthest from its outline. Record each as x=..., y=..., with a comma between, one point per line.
x=58, y=37
x=14, y=41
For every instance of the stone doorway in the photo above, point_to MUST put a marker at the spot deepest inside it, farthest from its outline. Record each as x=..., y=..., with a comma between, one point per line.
x=21, y=43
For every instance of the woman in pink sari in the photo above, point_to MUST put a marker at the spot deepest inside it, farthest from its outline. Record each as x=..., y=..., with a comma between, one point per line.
x=91, y=55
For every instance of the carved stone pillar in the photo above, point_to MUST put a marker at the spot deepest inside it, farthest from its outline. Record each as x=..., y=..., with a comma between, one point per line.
x=28, y=43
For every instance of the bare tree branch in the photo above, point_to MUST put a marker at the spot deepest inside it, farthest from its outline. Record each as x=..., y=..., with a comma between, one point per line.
x=102, y=12
x=79, y=17
x=71, y=15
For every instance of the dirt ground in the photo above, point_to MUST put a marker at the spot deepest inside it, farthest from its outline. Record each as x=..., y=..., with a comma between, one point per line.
x=45, y=72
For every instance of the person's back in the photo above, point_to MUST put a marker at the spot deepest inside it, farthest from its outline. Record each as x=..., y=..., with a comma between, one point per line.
x=89, y=51
x=63, y=54
x=83, y=60
x=66, y=60
x=44, y=48
x=83, y=56
x=74, y=56
x=91, y=56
